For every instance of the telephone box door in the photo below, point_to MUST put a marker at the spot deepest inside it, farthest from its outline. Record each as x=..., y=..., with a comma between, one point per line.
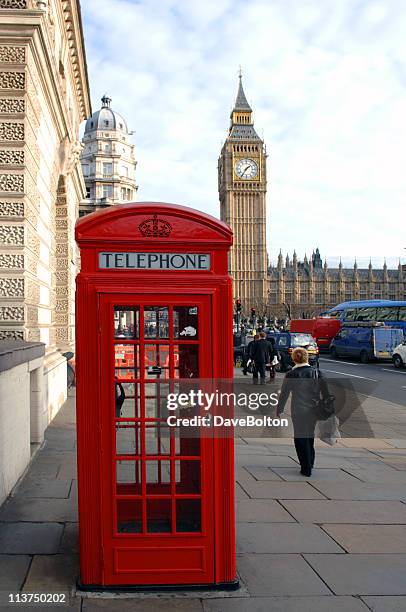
x=157, y=481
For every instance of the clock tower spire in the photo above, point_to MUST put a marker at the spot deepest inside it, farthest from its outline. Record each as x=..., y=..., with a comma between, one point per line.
x=242, y=191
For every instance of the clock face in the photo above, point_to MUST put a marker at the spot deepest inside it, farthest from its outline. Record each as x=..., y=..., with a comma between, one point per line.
x=246, y=168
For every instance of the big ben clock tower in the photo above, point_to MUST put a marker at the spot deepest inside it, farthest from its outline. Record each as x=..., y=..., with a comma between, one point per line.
x=242, y=190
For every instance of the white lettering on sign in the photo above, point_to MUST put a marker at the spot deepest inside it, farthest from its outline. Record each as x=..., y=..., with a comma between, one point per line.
x=154, y=261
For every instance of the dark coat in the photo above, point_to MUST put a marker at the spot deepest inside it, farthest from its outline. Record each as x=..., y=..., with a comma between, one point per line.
x=305, y=386
x=263, y=351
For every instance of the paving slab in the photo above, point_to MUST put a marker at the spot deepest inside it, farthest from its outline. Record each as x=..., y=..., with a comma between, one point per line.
x=239, y=492
x=44, y=487
x=281, y=461
x=52, y=574
x=263, y=473
x=284, y=538
x=283, y=575
x=281, y=490
x=327, y=474
x=251, y=460
x=361, y=490
x=262, y=511
x=362, y=574
x=386, y=603
x=30, y=538
x=153, y=604
x=70, y=539
x=38, y=510
x=373, y=539
x=13, y=570
x=242, y=474
x=379, y=474
x=287, y=604
x=357, y=512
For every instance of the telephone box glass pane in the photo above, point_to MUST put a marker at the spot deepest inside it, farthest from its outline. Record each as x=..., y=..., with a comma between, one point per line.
x=185, y=322
x=126, y=360
x=128, y=438
x=159, y=516
x=156, y=322
x=127, y=400
x=188, y=515
x=157, y=439
x=157, y=361
x=156, y=395
x=188, y=477
x=129, y=516
x=185, y=444
x=158, y=477
x=126, y=322
x=187, y=364
x=128, y=477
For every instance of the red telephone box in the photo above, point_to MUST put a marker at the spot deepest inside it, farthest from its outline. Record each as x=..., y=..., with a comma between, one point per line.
x=154, y=306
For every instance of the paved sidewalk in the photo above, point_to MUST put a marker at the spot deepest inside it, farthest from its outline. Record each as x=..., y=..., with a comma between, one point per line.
x=332, y=543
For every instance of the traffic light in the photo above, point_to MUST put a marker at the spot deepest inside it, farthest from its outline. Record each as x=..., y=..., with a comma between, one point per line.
x=238, y=305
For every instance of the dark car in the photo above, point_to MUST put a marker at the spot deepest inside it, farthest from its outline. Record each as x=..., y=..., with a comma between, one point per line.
x=285, y=342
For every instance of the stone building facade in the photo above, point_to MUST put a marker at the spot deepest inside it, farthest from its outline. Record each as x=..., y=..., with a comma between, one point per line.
x=309, y=287
x=242, y=191
x=44, y=96
x=108, y=160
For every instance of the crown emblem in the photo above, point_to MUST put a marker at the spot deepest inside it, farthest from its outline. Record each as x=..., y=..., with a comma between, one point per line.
x=155, y=228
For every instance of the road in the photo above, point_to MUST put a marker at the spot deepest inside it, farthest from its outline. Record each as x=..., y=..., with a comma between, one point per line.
x=381, y=379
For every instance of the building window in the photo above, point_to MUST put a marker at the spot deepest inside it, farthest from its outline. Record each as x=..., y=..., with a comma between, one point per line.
x=319, y=298
x=273, y=298
x=107, y=169
x=107, y=191
x=88, y=193
x=333, y=297
x=85, y=169
x=124, y=170
x=106, y=123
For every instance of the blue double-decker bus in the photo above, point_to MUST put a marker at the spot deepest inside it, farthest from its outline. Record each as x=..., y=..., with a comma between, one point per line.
x=392, y=313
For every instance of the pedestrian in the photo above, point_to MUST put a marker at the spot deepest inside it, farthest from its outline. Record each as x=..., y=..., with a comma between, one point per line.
x=305, y=384
x=248, y=354
x=262, y=354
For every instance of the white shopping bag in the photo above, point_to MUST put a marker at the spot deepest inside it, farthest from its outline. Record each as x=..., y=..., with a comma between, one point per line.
x=328, y=430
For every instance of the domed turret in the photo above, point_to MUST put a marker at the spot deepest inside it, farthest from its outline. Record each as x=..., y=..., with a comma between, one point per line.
x=106, y=118
x=108, y=161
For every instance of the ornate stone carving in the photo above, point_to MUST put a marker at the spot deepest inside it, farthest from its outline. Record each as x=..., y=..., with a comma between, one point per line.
x=12, y=80
x=12, y=234
x=62, y=334
x=61, y=211
x=12, y=105
x=32, y=291
x=11, y=209
x=62, y=291
x=62, y=305
x=11, y=334
x=61, y=263
x=12, y=156
x=11, y=260
x=13, y=4
x=12, y=131
x=61, y=224
x=62, y=277
x=12, y=287
x=61, y=236
x=33, y=242
x=62, y=249
x=11, y=313
x=32, y=316
x=12, y=183
x=34, y=334
x=13, y=55
x=61, y=319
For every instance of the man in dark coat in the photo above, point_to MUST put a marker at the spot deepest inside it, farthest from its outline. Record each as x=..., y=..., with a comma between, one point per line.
x=305, y=385
x=262, y=353
x=248, y=353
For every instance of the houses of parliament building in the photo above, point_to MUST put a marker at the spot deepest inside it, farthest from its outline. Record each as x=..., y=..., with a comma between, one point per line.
x=291, y=288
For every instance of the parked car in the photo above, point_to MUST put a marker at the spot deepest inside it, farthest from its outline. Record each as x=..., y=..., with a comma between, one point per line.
x=365, y=342
x=399, y=355
x=286, y=341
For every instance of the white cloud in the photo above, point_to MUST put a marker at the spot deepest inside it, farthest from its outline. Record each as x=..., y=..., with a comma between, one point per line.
x=327, y=84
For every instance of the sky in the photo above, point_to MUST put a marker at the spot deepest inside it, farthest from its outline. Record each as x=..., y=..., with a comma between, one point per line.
x=327, y=84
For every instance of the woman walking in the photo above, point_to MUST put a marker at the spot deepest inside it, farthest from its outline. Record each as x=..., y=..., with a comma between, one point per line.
x=305, y=384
